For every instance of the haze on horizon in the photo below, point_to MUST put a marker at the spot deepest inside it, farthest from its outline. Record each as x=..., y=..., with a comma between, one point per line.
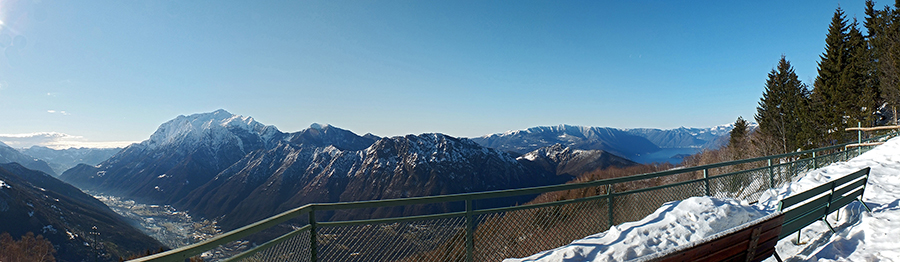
x=100, y=74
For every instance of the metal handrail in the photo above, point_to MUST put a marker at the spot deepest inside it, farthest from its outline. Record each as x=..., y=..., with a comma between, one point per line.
x=182, y=253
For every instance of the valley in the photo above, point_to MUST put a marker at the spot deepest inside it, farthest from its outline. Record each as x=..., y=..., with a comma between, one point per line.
x=163, y=222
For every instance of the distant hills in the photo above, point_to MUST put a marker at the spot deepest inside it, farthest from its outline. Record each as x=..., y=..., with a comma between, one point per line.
x=61, y=160
x=11, y=155
x=629, y=143
x=33, y=201
x=607, y=139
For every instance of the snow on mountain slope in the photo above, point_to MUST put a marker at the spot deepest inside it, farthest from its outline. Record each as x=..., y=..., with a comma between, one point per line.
x=638, y=144
x=212, y=128
x=607, y=139
x=861, y=236
x=565, y=160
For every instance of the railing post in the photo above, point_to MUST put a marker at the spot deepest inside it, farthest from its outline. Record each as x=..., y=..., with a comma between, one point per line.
x=313, y=246
x=815, y=161
x=470, y=231
x=859, y=138
x=771, y=174
x=706, y=179
x=609, y=193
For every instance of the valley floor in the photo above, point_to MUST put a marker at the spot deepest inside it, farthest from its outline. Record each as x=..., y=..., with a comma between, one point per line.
x=861, y=236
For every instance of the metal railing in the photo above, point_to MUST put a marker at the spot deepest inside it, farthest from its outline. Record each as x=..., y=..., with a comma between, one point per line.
x=494, y=233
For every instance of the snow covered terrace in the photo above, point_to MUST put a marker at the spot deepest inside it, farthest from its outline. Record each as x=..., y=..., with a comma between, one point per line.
x=861, y=236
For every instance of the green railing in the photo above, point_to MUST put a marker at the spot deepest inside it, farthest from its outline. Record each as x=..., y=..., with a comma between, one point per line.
x=491, y=234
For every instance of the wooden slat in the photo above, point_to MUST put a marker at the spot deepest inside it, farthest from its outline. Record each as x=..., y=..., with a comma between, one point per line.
x=842, y=201
x=723, y=253
x=803, y=196
x=864, y=129
x=852, y=176
x=767, y=249
x=769, y=235
x=864, y=144
x=801, y=211
x=855, y=185
x=799, y=223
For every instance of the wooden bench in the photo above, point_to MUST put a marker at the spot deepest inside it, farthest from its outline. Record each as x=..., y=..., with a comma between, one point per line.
x=755, y=241
x=821, y=201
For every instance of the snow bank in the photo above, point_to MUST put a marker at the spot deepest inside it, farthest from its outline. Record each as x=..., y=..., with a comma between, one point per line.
x=861, y=236
x=675, y=224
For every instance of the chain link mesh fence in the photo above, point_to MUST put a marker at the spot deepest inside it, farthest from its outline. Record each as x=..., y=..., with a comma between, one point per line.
x=637, y=205
x=741, y=185
x=388, y=241
x=295, y=248
x=521, y=233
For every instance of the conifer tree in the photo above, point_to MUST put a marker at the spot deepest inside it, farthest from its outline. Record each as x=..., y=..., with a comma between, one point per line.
x=884, y=40
x=782, y=113
x=738, y=139
x=859, y=79
x=831, y=94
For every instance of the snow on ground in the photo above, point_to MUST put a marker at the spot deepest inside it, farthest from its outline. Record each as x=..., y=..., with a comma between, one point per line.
x=861, y=236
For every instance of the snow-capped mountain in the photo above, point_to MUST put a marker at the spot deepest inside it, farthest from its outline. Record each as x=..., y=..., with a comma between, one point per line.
x=683, y=137
x=62, y=160
x=212, y=130
x=33, y=201
x=11, y=155
x=565, y=160
x=629, y=143
x=607, y=139
x=188, y=151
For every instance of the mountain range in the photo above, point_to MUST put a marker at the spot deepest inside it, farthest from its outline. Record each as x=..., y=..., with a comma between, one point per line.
x=80, y=227
x=629, y=143
x=61, y=160
x=11, y=155
x=220, y=165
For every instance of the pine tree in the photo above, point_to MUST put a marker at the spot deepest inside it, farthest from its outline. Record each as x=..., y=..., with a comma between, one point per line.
x=782, y=113
x=831, y=95
x=738, y=140
x=859, y=79
x=884, y=40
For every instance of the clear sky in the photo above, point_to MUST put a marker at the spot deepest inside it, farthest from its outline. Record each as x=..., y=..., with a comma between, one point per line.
x=98, y=72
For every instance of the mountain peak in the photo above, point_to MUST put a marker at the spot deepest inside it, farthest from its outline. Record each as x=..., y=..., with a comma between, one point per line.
x=197, y=127
x=318, y=126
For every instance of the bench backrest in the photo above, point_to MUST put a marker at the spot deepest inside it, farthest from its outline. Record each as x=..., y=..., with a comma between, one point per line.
x=821, y=201
x=754, y=242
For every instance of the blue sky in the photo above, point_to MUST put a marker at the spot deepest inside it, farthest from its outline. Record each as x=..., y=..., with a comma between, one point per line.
x=95, y=72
